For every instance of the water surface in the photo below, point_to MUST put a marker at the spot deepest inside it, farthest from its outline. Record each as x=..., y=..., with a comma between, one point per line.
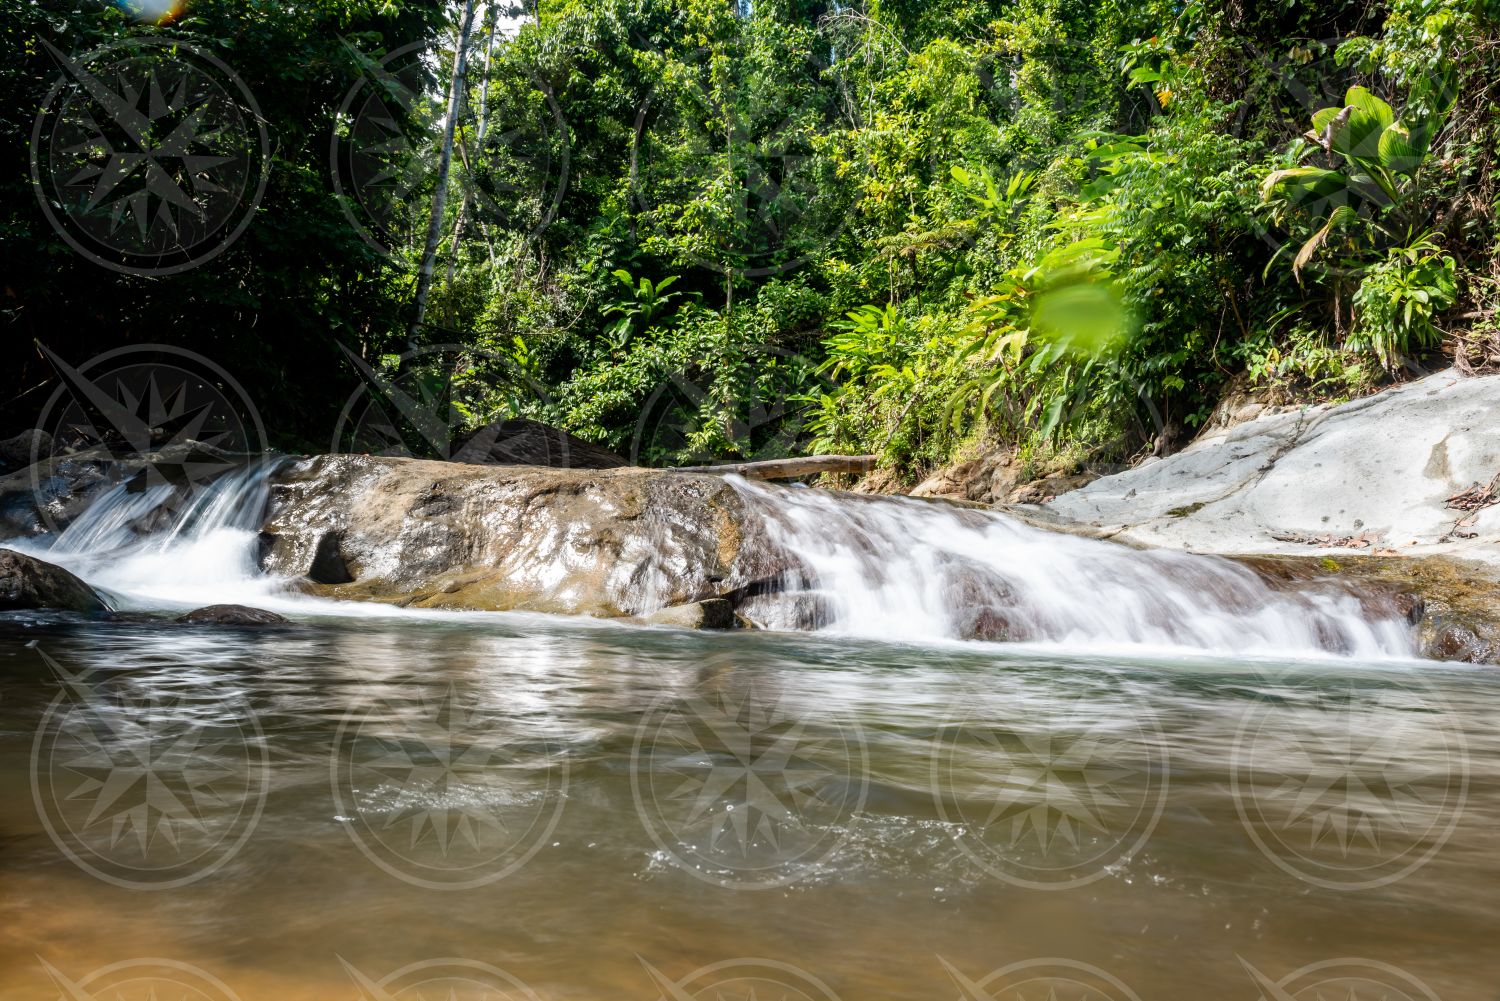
x=604, y=811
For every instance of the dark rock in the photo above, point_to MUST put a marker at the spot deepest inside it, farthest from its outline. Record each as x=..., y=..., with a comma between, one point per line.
x=49, y=495
x=1461, y=644
x=328, y=567
x=27, y=582
x=711, y=613
x=25, y=448
x=532, y=443
x=232, y=615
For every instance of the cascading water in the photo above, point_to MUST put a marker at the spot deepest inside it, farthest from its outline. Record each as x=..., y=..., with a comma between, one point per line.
x=881, y=567
x=163, y=545
x=907, y=569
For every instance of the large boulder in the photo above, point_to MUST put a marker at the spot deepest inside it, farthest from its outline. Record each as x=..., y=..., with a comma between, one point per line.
x=612, y=542
x=523, y=442
x=27, y=582
x=1387, y=473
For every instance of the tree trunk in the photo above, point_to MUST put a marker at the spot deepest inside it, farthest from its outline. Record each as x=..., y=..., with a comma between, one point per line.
x=445, y=161
x=492, y=17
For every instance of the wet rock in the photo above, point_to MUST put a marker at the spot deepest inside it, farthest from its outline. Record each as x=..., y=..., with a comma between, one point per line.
x=52, y=493
x=800, y=610
x=1462, y=644
x=27, y=582
x=231, y=615
x=532, y=443
x=445, y=535
x=711, y=613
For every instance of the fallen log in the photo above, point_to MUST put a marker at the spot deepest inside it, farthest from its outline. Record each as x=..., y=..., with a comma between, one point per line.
x=788, y=469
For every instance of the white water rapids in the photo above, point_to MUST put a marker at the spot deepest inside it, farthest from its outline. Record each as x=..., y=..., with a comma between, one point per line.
x=888, y=568
x=906, y=569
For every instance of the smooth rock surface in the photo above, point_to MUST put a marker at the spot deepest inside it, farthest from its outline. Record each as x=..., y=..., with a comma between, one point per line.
x=524, y=442
x=611, y=542
x=27, y=582
x=1378, y=470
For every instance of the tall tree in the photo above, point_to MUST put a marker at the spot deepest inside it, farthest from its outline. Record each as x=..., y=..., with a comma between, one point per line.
x=445, y=162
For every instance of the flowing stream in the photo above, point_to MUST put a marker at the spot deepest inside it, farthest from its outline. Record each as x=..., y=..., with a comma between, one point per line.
x=1180, y=783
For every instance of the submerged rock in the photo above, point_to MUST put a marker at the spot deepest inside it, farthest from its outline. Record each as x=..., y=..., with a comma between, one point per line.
x=27, y=582
x=232, y=615
x=441, y=535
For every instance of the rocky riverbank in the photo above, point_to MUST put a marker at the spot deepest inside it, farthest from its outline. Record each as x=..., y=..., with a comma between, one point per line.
x=1386, y=501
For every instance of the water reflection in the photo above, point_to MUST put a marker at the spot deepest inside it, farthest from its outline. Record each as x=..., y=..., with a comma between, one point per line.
x=561, y=801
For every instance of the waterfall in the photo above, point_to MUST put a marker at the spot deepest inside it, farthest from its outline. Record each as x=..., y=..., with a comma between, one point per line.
x=168, y=545
x=907, y=569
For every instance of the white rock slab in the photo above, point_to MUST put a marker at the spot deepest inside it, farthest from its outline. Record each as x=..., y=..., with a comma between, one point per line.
x=1384, y=465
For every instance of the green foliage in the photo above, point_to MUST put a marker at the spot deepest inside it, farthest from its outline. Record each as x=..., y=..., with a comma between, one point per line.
x=902, y=227
x=1398, y=300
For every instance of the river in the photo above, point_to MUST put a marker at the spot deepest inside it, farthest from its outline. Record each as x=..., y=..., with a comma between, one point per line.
x=373, y=803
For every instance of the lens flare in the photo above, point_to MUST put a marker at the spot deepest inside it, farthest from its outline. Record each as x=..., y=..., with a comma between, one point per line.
x=154, y=11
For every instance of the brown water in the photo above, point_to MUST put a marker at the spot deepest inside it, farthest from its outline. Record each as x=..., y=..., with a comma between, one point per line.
x=516, y=807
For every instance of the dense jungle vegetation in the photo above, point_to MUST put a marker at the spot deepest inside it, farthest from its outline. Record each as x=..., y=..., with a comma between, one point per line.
x=703, y=229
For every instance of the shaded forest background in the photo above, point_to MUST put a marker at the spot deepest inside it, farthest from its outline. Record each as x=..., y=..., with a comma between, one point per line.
x=731, y=229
